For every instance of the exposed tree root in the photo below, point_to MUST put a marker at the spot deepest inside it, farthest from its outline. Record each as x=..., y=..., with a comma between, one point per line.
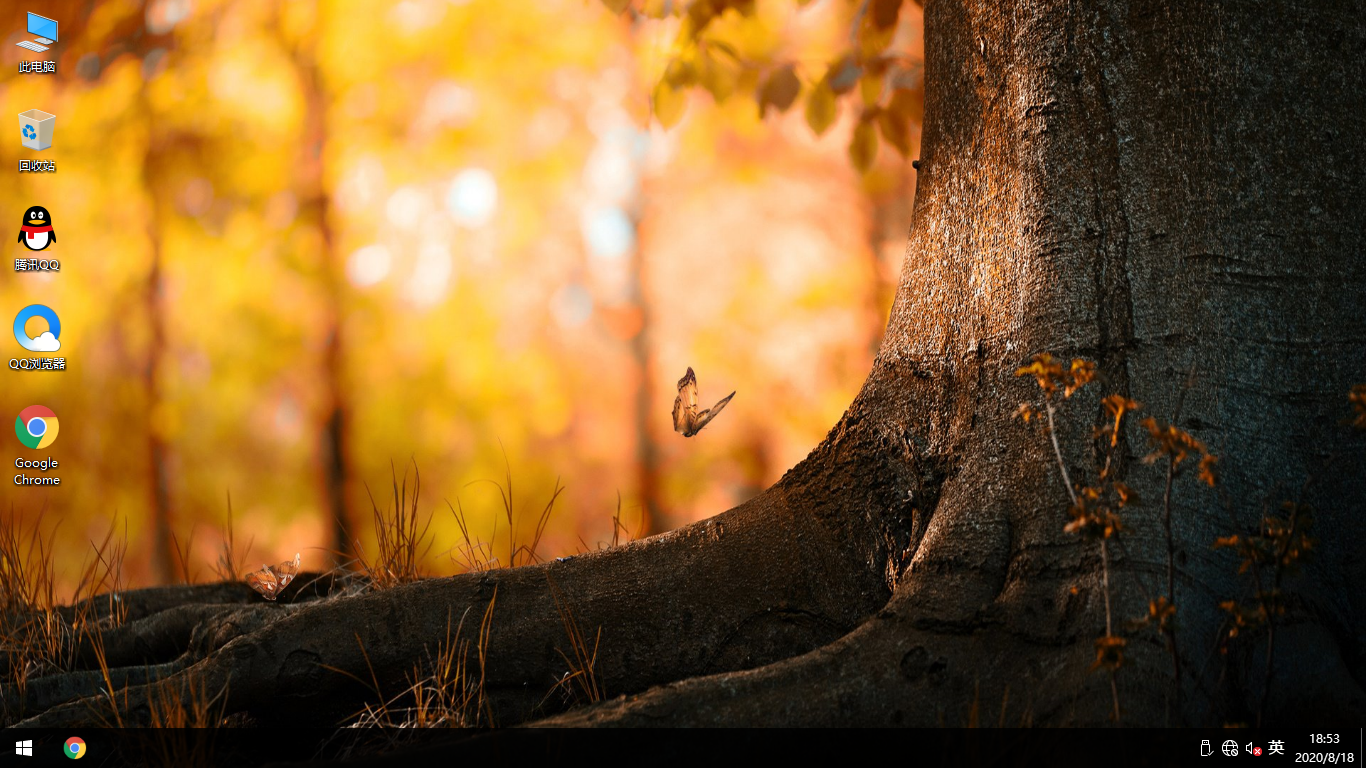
x=888, y=673
x=139, y=603
x=156, y=638
x=679, y=605
x=84, y=686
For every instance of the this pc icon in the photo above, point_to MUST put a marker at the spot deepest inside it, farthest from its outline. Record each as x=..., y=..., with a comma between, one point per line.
x=45, y=31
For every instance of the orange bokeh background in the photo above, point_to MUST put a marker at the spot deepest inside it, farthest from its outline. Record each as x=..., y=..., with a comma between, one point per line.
x=458, y=224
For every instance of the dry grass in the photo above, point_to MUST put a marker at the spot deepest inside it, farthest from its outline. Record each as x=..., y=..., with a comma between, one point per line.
x=401, y=541
x=447, y=691
x=186, y=703
x=174, y=705
x=102, y=580
x=26, y=575
x=231, y=564
x=470, y=554
x=111, y=697
x=478, y=556
x=529, y=550
x=35, y=638
x=579, y=683
x=182, y=556
x=619, y=530
x=474, y=555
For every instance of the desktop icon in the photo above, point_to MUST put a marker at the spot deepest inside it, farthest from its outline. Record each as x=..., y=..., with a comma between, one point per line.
x=75, y=748
x=35, y=129
x=36, y=426
x=43, y=29
x=47, y=341
x=24, y=747
x=35, y=231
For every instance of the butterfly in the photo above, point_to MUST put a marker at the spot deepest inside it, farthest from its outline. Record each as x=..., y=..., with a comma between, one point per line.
x=687, y=419
x=270, y=582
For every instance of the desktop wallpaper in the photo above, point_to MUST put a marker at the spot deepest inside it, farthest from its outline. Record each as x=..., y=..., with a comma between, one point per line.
x=308, y=249
x=388, y=366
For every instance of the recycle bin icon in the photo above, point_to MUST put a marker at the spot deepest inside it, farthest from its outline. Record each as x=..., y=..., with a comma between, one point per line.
x=35, y=127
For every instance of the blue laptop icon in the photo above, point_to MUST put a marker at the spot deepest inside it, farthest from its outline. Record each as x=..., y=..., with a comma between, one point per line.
x=43, y=29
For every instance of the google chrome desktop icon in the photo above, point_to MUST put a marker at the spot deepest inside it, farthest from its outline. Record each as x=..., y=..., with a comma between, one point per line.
x=36, y=426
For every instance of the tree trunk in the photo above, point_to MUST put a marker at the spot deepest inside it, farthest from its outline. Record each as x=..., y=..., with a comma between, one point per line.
x=1170, y=190
x=315, y=207
x=158, y=471
x=645, y=412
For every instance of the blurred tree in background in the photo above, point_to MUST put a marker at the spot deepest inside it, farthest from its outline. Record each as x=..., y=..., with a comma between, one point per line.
x=303, y=243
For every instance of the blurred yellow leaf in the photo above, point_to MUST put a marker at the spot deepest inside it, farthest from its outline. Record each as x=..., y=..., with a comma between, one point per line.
x=883, y=13
x=906, y=103
x=617, y=6
x=680, y=73
x=863, y=147
x=715, y=75
x=669, y=104
x=657, y=9
x=779, y=90
x=721, y=46
x=894, y=131
x=843, y=75
x=699, y=15
x=821, y=107
x=870, y=87
x=873, y=40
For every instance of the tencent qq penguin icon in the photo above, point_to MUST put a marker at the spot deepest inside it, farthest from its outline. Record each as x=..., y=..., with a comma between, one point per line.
x=45, y=341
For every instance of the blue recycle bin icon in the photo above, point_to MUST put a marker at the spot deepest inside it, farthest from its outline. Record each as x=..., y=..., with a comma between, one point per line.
x=35, y=128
